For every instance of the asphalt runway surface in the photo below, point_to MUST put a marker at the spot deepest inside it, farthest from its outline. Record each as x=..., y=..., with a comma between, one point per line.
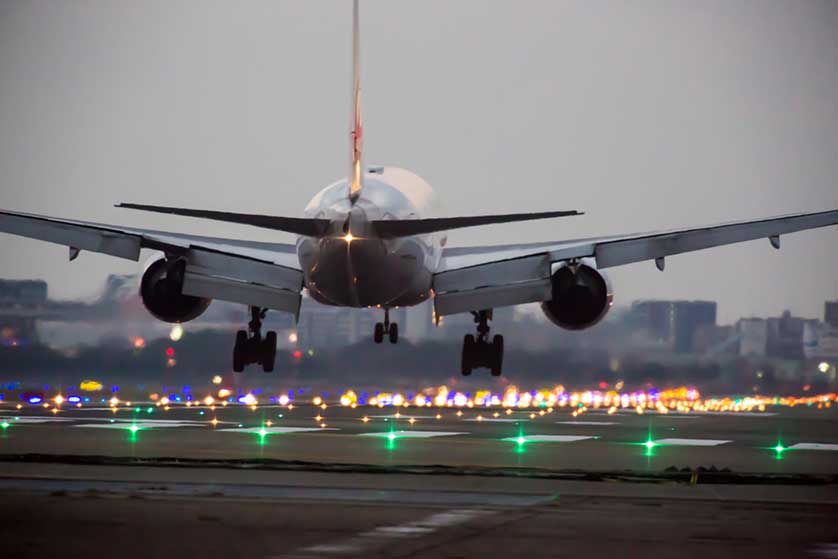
x=312, y=482
x=592, y=442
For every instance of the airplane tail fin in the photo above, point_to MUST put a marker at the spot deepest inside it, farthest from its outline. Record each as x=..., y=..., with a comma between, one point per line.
x=357, y=133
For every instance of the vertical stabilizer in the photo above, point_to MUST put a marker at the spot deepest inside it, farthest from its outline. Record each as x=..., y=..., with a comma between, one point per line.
x=356, y=168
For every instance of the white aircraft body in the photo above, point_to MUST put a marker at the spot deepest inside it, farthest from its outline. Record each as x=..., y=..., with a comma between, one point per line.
x=372, y=240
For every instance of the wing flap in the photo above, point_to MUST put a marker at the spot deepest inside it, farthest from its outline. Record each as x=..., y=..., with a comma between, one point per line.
x=225, y=289
x=498, y=284
x=492, y=297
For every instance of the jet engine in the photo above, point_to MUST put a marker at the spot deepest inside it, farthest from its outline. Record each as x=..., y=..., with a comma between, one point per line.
x=161, y=292
x=582, y=296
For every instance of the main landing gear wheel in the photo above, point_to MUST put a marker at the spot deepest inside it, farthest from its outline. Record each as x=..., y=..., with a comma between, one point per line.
x=251, y=348
x=391, y=329
x=479, y=351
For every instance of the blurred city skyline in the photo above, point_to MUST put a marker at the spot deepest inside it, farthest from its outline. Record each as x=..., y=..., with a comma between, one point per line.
x=645, y=116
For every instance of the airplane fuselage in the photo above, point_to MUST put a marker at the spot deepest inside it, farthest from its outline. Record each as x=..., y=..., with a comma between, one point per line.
x=352, y=266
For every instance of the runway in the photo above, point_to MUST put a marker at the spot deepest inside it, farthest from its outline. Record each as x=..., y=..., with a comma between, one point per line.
x=305, y=482
x=782, y=441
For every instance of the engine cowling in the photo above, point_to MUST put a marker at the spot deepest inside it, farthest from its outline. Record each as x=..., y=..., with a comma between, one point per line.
x=161, y=292
x=582, y=296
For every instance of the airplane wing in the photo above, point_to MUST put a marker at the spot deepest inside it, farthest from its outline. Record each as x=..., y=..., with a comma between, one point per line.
x=246, y=272
x=476, y=278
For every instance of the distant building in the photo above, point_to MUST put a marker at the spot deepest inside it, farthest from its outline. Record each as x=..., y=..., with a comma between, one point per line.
x=419, y=321
x=830, y=314
x=674, y=323
x=753, y=337
x=689, y=317
x=785, y=336
x=655, y=317
x=328, y=326
x=26, y=293
x=820, y=341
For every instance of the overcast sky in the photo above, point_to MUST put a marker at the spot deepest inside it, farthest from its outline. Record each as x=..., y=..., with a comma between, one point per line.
x=645, y=115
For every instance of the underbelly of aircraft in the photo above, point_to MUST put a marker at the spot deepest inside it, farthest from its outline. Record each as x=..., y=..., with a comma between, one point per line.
x=366, y=272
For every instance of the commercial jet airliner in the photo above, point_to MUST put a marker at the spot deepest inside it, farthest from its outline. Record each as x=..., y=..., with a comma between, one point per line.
x=372, y=240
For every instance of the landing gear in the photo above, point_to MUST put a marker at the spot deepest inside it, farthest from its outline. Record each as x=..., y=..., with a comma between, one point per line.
x=479, y=351
x=251, y=347
x=386, y=327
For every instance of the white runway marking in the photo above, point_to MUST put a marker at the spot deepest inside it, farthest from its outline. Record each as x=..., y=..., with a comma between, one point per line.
x=738, y=413
x=548, y=438
x=44, y=419
x=813, y=446
x=277, y=430
x=691, y=442
x=365, y=543
x=140, y=424
x=497, y=420
x=402, y=416
x=413, y=434
x=588, y=422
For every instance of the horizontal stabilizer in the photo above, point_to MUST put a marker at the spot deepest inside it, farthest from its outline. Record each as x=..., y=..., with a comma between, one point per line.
x=406, y=227
x=297, y=225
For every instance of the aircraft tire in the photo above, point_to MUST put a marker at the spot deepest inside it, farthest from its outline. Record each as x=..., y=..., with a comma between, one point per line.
x=497, y=356
x=269, y=352
x=239, y=350
x=468, y=355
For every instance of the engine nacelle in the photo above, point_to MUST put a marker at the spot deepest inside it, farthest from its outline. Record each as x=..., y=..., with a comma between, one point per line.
x=161, y=292
x=582, y=296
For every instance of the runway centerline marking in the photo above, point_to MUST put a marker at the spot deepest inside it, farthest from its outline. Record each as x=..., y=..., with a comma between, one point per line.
x=588, y=422
x=548, y=438
x=413, y=434
x=691, y=442
x=367, y=542
x=40, y=419
x=123, y=425
x=277, y=430
x=813, y=446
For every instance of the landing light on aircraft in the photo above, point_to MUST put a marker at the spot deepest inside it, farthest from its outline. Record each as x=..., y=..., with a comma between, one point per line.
x=348, y=238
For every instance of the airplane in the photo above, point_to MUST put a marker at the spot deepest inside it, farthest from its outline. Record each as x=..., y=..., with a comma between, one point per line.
x=374, y=240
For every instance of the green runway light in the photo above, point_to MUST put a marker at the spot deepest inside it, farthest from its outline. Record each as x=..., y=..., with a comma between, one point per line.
x=649, y=445
x=779, y=448
x=134, y=428
x=521, y=440
x=262, y=432
x=391, y=437
x=4, y=425
x=149, y=410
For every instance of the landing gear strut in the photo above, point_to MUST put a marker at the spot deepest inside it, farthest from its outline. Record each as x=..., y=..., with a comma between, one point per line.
x=390, y=328
x=479, y=351
x=251, y=347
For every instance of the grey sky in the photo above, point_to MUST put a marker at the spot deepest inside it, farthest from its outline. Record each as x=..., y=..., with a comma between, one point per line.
x=646, y=115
